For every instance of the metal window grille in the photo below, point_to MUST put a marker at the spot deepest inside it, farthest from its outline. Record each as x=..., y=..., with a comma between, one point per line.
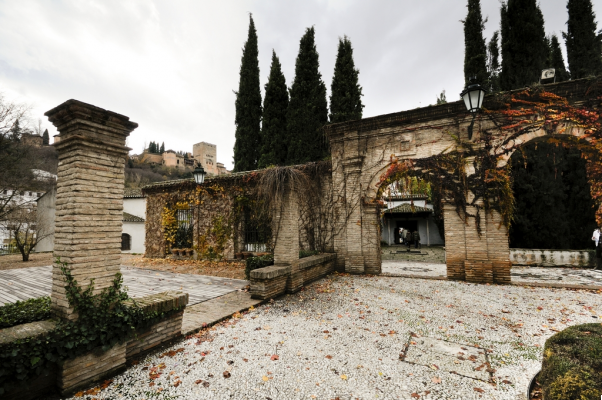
x=257, y=233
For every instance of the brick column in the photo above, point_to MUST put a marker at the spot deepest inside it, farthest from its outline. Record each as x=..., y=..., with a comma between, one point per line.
x=286, y=249
x=371, y=234
x=455, y=243
x=354, y=258
x=498, y=249
x=89, y=199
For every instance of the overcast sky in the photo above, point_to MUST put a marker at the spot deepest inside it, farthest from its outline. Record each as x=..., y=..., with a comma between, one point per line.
x=172, y=66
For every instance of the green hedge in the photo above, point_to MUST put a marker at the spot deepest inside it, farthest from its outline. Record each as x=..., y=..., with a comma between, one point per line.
x=572, y=364
x=258, y=262
x=23, y=312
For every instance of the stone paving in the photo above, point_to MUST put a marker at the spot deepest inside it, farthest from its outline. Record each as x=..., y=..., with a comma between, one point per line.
x=361, y=337
x=27, y=283
x=522, y=275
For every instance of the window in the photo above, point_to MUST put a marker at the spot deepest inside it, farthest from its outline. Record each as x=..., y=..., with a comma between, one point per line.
x=126, y=242
x=257, y=232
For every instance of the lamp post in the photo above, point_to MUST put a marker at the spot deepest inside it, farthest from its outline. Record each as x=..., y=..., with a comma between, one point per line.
x=473, y=99
x=199, y=175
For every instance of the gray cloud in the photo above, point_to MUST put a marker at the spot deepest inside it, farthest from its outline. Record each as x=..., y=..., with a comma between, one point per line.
x=172, y=66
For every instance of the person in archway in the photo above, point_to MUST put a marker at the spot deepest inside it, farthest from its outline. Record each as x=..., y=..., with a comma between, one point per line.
x=416, y=238
x=407, y=237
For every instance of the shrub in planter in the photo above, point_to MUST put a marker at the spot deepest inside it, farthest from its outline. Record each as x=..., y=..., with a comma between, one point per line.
x=572, y=364
x=23, y=312
x=308, y=253
x=258, y=262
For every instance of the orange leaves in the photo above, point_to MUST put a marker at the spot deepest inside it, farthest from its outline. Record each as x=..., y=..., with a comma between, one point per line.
x=274, y=357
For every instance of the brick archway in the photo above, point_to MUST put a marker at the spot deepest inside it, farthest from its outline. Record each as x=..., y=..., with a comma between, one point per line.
x=361, y=150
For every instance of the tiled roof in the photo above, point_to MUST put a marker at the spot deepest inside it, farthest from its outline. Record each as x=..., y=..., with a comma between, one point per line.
x=127, y=217
x=406, y=197
x=407, y=208
x=132, y=193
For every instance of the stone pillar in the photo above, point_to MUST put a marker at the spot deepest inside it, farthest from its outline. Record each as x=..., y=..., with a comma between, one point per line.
x=478, y=266
x=354, y=258
x=498, y=249
x=286, y=249
x=455, y=243
x=89, y=200
x=371, y=234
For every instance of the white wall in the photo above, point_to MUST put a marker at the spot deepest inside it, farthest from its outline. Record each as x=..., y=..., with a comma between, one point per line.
x=135, y=206
x=136, y=231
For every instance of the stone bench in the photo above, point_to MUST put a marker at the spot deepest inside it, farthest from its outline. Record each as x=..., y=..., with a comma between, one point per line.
x=81, y=372
x=275, y=280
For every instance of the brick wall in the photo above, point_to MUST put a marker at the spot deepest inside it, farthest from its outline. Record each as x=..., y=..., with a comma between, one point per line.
x=273, y=281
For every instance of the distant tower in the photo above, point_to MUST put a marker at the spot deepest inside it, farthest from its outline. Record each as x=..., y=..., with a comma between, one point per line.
x=206, y=155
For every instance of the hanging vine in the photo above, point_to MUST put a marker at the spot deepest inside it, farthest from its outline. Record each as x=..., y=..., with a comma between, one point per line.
x=475, y=175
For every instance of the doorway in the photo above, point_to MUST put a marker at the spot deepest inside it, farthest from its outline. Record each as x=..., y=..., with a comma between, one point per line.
x=411, y=225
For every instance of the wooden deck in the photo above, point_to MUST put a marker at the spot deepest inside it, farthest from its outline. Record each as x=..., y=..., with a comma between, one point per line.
x=27, y=283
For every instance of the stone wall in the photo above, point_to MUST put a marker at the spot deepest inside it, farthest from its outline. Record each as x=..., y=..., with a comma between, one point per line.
x=273, y=281
x=81, y=372
x=553, y=258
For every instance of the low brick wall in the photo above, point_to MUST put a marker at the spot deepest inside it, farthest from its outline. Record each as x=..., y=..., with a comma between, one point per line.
x=273, y=281
x=552, y=258
x=81, y=372
x=161, y=331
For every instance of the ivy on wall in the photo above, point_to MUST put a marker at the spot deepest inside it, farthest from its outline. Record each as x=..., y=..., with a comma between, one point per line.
x=474, y=175
x=103, y=320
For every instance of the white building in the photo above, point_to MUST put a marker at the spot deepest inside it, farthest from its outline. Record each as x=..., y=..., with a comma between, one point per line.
x=409, y=211
x=134, y=215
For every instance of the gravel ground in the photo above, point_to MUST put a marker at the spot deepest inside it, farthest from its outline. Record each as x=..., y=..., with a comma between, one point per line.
x=366, y=337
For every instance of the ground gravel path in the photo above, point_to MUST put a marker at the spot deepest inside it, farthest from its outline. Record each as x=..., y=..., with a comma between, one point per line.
x=365, y=337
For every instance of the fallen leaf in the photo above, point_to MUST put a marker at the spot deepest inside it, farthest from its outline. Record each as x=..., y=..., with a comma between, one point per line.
x=199, y=381
x=436, y=380
x=415, y=395
x=507, y=382
x=265, y=378
x=227, y=374
x=479, y=390
x=344, y=377
x=329, y=357
x=274, y=357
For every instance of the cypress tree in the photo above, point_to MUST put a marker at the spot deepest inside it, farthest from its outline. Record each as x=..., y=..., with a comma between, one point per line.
x=345, y=92
x=582, y=43
x=150, y=147
x=493, y=62
x=45, y=138
x=556, y=61
x=475, y=54
x=162, y=148
x=524, y=47
x=248, y=106
x=307, y=109
x=273, y=126
x=554, y=208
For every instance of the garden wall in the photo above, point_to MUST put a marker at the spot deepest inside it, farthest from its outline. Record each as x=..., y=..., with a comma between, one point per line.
x=81, y=372
x=552, y=258
x=219, y=218
x=275, y=280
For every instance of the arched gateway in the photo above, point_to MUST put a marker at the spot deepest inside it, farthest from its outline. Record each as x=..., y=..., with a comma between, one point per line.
x=363, y=150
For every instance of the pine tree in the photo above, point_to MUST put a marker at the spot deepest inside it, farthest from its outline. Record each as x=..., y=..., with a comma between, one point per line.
x=345, y=92
x=475, y=54
x=273, y=126
x=45, y=138
x=524, y=47
x=582, y=43
x=248, y=106
x=556, y=61
x=307, y=109
x=493, y=62
x=162, y=149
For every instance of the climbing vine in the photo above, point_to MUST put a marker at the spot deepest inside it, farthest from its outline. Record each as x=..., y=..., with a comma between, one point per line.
x=474, y=175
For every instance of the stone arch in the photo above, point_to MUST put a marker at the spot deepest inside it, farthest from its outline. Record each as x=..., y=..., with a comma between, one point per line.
x=362, y=150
